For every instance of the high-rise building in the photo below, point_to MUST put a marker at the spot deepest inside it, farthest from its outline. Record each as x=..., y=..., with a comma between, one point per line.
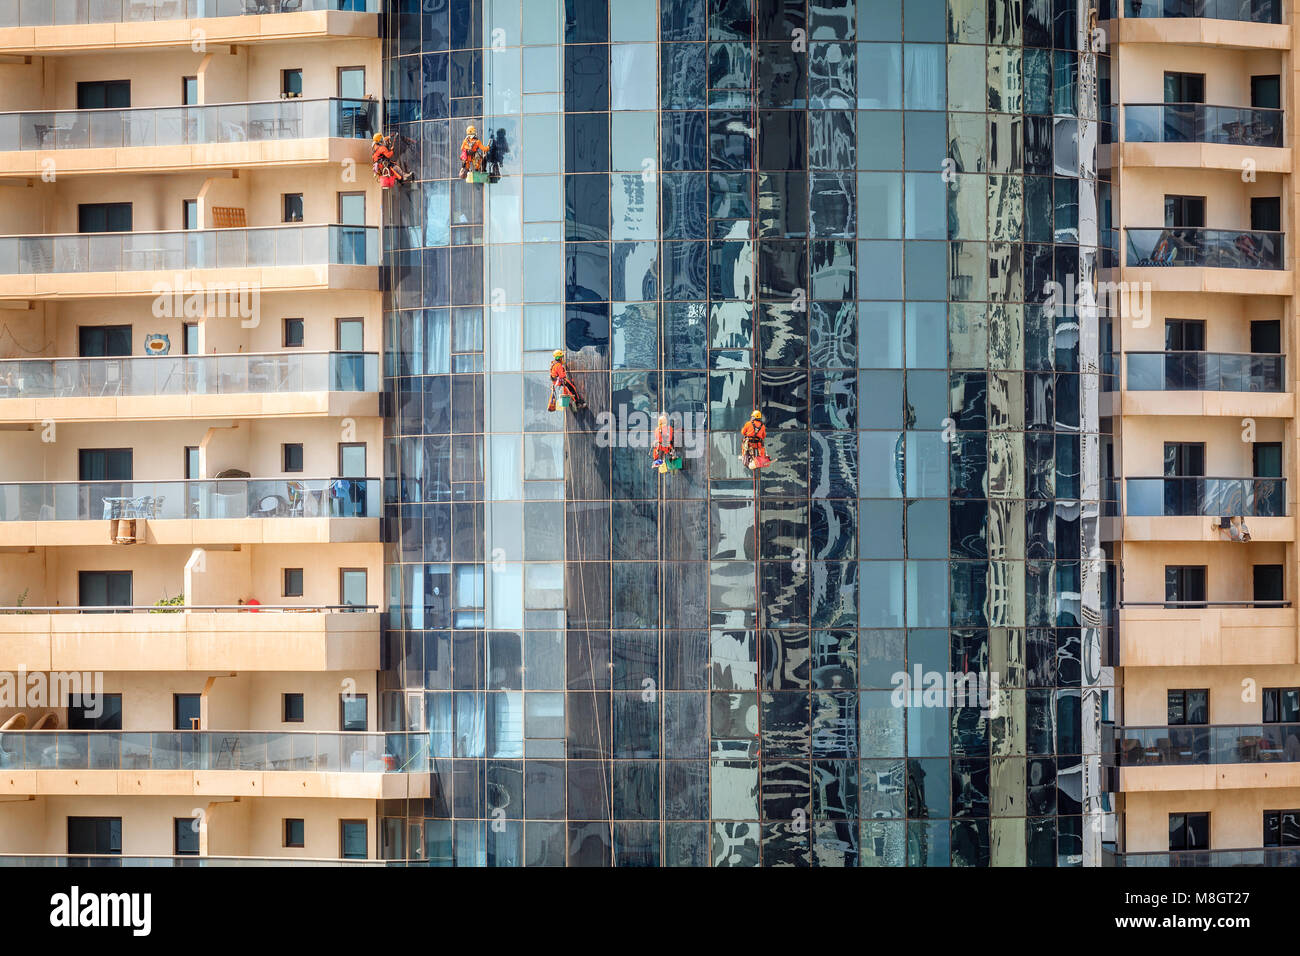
x=190, y=432
x=379, y=596
x=848, y=215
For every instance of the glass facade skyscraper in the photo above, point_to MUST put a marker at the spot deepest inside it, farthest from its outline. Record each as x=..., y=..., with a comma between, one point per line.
x=845, y=214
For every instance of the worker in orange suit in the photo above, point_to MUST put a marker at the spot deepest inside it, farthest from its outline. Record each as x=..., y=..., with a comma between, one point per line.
x=473, y=153
x=753, y=454
x=560, y=380
x=663, y=443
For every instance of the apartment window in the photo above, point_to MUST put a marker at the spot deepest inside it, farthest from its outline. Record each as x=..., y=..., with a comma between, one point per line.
x=352, y=460
x=1267, y=581
x=104, y=217
x=352, y=839
x=293, y=709
x=352, y=209
x=193, y=470
x=102, y=341
x=1184, y=87
x=94, y=711
x=290, y=83
x=190, y=338
x=1282, y=828
x=1185, y=335
x=185, y=836
x=189, y=214
x=352, y=587
x=104, y=588
x=1266, y=336
x=349, y=335
x=94, y=835
x=104, y=95
x=293, y=333
x=295, y=832
x=1188, y=707
x=1185, y=211
x=1266, y=214
x=1184, y=459
x=104, y=464
x=1266, y=459
x=1189, y=831
x=352, y=712
x=1266, y=92
x=352, y=82
x=293, y=582
x=292, y=457
x=349, y=368
x=185, y=711
x=189, y=90
x=1281, y=705
x=293, y=207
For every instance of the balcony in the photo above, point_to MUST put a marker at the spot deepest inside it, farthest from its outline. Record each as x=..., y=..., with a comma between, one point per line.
x=1196, y=136
x=1209, y=497
x=368, y=766
x=178, y=264
x=1206, y=372
x=1254, y=856
x=49, y=26
x=1204, y=248
x=1213, y=757
x=188, y=638
x=209, y=511
x=245, y=385
x=1245, y=24
x=1245, y=634
x=232, y=135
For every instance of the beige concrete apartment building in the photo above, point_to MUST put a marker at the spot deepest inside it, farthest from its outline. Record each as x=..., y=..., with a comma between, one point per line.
x=1203, y=415
x=189, y=417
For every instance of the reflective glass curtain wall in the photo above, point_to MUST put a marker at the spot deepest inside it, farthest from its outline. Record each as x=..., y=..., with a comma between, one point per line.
x=848, y=215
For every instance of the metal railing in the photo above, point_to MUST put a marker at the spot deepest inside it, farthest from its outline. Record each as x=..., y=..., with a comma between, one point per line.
x=1205, y=604
x=1253, y=11
x=195, y=499
x=1216, y=248
x=1201, y=123
x=1210, y=497
x=1206, y=372
x=1254, y=856
x=187, y=125
x=264, y=246
x=1207, y=744
x=249, y=751
x=240, y=374
x=40, y=13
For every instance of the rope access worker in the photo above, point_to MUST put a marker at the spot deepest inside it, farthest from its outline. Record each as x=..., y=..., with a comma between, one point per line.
x=560, y=380
x=473, y=153
x=663, y=443
x=753, y=454
x=382, y=156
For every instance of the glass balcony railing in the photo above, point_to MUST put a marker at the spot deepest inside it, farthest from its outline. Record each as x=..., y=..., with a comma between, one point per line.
x=1212, y=497
x=1206, y=372
x=187, y=125
x=41, y=13
x=117, y=860
x=214, y=750
x=1207, y=744
x=1254, y=11
x=1198, y=123
x=212, y=498
x=264, y=247
x=1219, y=248
x=242, y=374
x=1257, y=856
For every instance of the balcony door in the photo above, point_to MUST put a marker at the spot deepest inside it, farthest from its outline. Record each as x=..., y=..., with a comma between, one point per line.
x=101, y=341
x=1266, y=337
x=104, y=588
x=1184, y=462
x=1268, y=584
x=104, y=217
x=349, y=368
x=95, y=835
x=1183, y=371
x=1266, y=92
x=104, y=95
x=1184, y=335
x=352, y=237
x=1266, y=214
x=1184, y=87
x=1185, y=585
x=1185, y=212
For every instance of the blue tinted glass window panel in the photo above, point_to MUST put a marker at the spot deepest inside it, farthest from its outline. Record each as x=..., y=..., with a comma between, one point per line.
x=587, y=272
x=544, y=272
x=880, y=269
x=880, y=76
x=633, y=142
x=880, y=140
x=881, y=720
x=927, y=324
x=684, y=76
x=586, y=142
x=635, y=271
x=684, y=141
x=541, y=69
x=684, y=270
x=926, y=140
x=587, y=207
x=927, y=465
x=881, y=465
x=926, y=206
x=924, y=20
x=685, y=205
x=926, y=267
x=832, y=71
x=685, y=329
x=880, y=205
x=586, y=325
x=586, y=78
x=586, y=21
x=435, y=86
x=633, y=66
x=880, y=334
x=731, y=140
x=924, y=76
x=832, y=205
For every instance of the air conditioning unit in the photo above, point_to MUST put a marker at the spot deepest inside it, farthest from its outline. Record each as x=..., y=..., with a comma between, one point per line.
x=124, y=530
